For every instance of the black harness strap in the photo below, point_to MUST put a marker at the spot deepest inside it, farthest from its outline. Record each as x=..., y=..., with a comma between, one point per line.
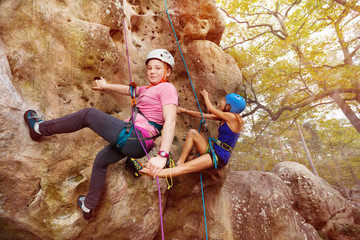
x=158, y=127
x=223, y=145
x=125, y=133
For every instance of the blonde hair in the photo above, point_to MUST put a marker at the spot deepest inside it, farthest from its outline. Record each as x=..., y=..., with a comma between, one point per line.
x=240, y=119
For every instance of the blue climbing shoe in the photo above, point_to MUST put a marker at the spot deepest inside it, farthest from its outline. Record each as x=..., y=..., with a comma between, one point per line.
x=170, y=163
x=31, y=117
x=80, y=202
x=135, y=165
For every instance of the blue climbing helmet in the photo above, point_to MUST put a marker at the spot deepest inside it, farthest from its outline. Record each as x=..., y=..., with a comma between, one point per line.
x=236, y=102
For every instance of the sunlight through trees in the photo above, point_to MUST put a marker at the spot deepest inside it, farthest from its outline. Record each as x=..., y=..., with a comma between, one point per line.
x=300, y=62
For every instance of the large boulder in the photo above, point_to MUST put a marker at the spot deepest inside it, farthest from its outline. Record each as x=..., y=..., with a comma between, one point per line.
x=287, y=203
x=316, y=200
x=355, y=193
x=257, y=205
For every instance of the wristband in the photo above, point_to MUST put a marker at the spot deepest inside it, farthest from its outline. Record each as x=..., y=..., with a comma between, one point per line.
x=163, y=154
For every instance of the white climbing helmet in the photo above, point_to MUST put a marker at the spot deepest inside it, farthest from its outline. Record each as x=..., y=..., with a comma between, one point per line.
x=163, y=55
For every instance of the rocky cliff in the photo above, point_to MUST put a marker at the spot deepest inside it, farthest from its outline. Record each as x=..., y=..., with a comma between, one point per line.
x=49, y=53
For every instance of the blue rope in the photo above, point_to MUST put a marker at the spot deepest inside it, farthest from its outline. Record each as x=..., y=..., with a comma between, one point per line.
x=202, y=116
x=212, y=151
x=203, y=202
x=210, y=139
x=182, y=56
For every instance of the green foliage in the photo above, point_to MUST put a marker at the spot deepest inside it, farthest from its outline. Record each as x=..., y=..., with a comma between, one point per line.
x=290, y=53
x=288, y=50
x=334, y=146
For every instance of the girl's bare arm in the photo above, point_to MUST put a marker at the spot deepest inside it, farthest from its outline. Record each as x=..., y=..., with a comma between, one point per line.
x=102, y=85
x=155, y=164
x=197, y=114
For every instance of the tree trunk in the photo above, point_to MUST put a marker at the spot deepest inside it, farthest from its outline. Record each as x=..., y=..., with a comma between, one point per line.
x=308, y=156
x=333, y=176
x=350, y=115
x=292, y=151
x=272, y=150
x=337, y=168
x=261, y=160
x=350, y=168
x=281, y=149
x=296, y=153
x=353, y=175
x=319, y=168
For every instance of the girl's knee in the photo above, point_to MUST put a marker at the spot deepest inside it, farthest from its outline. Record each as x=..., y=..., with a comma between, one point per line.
x=107, y=156
x=91, y=114
x=100, y=162
x=192, y=132
x=89, y=110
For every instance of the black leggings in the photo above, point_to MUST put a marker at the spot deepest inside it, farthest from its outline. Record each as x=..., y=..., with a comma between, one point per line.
x=106, y=126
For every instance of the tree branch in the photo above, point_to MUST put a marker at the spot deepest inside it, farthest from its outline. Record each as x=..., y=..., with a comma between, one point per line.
x=278, y=33
x=351, y=5
x=246, y=40
x=305, y=102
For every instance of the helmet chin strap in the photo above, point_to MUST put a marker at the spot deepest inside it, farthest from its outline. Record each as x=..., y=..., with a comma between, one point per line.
x=227, y=107
x=164, y=79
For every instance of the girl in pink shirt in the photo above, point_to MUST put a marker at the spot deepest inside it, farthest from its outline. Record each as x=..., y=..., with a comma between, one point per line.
x=157, y=104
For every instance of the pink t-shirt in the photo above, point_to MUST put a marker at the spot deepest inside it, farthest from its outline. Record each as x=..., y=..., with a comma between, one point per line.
x=150, y=102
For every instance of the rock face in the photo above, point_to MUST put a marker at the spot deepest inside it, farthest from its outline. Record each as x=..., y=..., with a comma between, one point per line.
x=53, y=51
x=262, y=208
x=49, y=53
x=289, y=203
x=355, y=193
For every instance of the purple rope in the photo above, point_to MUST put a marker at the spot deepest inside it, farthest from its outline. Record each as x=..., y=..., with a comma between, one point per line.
x=132, y=114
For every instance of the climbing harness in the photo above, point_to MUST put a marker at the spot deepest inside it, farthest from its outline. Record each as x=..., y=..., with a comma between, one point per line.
x=210, y=140
x=221, y=144
x=202, y=116
x=124, y=134
x=133, y=102
x=129, y=126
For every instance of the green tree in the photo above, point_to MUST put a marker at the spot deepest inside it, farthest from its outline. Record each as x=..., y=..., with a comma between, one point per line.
x=341, y=149
x=296, y=55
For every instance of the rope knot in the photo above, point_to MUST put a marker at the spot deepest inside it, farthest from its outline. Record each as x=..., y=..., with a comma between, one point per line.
x=133, y=84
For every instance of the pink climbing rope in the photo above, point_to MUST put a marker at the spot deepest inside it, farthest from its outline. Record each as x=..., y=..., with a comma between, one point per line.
x=132, y=112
